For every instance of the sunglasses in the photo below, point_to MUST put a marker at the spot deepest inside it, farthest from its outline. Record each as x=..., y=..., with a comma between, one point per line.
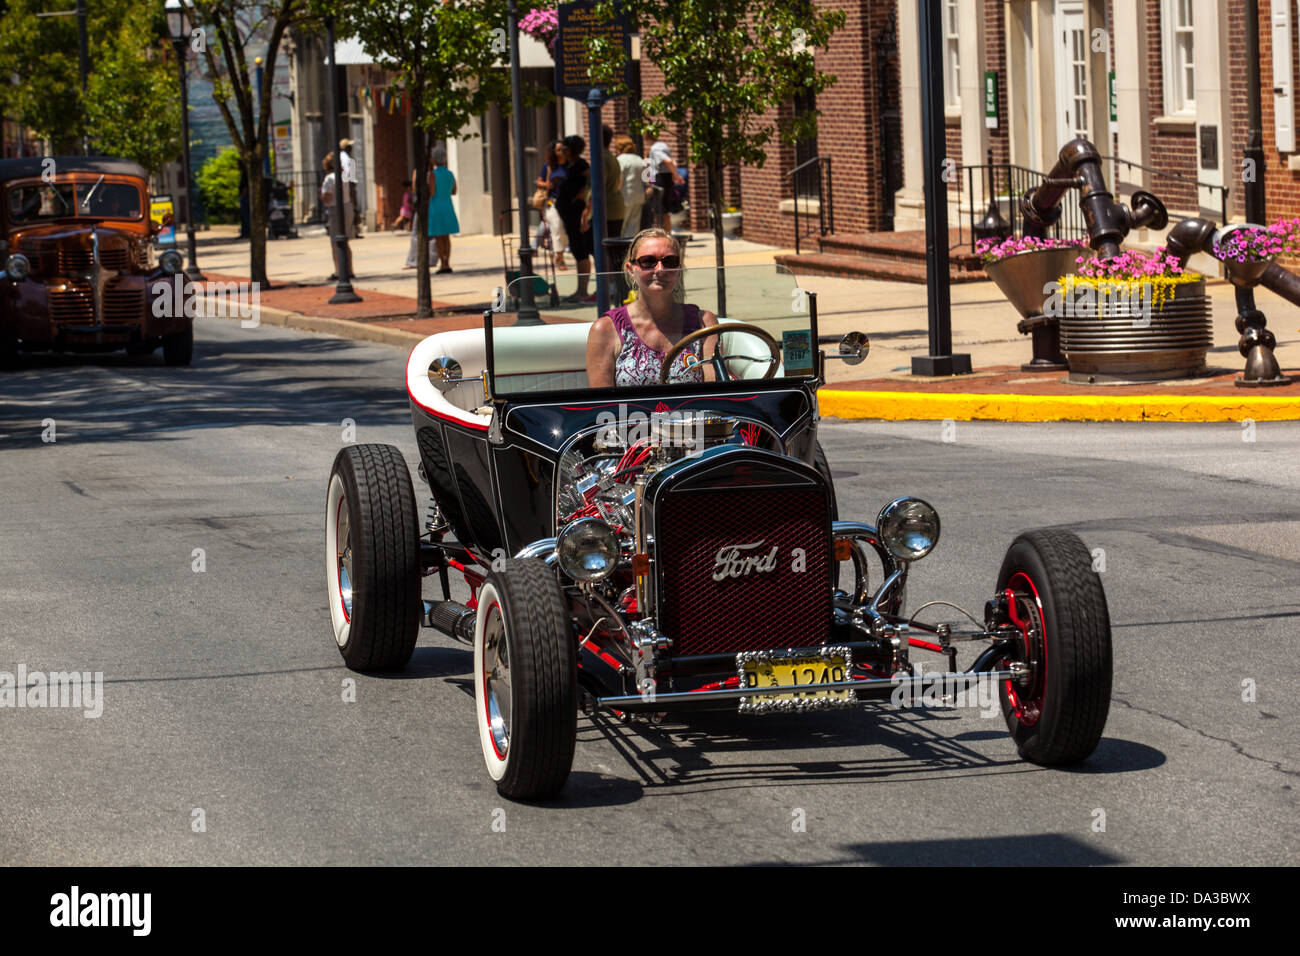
x=649, y=262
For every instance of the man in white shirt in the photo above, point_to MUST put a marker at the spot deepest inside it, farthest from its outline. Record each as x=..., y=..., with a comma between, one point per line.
x=662, y=170
x=351, y=217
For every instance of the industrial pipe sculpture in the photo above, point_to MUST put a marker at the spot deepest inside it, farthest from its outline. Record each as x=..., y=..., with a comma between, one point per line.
x=1257, y=342
x=1078, y=166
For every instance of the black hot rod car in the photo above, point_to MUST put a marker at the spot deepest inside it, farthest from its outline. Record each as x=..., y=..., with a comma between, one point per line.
x=660, y=548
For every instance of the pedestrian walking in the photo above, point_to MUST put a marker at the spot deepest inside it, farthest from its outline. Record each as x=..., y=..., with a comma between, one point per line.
x=571, y=203
x=413, y=252
x=329, y=195
x=546, y=185
x=634, y=190
x=351, y=208
x=406, y=214
x=613, y=186
x=666, y=180
x=443, y=223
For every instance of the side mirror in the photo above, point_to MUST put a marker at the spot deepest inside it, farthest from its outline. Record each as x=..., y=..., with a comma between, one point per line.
x=444, y=372
x=854, y=348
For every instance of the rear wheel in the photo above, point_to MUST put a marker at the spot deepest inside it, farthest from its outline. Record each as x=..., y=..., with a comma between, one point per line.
x=525, y=681
x=1057, y=602
x=178, y=349
x=372, y=557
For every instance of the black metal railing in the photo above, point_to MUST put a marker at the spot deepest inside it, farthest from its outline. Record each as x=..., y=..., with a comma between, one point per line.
x=1126, y=189
x=304, y=194
x=810, y=181
x=988, y=203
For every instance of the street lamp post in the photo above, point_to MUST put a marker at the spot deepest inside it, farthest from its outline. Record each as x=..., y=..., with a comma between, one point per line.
x=343, y=291
x=527, y=314
x=178, y=24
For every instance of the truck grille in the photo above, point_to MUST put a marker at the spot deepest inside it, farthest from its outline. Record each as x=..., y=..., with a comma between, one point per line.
x=73, y=304
x=758, y=610
x=118, y=259
x=124, y=306
x=75, y=260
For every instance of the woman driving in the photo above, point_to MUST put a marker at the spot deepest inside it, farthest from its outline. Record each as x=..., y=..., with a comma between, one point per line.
x=626, y=346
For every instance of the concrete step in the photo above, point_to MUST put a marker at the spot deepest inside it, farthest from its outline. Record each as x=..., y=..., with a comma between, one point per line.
x=860, y=266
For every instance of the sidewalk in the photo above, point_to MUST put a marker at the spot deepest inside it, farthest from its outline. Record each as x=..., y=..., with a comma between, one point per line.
x=893, y=314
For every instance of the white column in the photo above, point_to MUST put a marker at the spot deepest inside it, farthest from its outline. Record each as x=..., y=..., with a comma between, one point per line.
x=1131, y=88
x=1213, y=102
x=909, y=203
x=970, y=51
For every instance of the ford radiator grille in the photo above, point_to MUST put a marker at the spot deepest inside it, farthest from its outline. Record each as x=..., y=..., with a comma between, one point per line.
x=731, y=578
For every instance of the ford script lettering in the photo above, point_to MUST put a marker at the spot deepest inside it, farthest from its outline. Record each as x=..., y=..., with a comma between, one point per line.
x=737, y=560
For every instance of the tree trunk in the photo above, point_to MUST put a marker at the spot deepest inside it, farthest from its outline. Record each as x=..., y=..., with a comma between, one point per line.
x=256, y=215
x=715, y=204
x=423, y=287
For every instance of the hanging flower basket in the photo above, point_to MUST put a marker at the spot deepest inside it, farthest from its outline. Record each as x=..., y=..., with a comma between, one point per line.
x=541, y=25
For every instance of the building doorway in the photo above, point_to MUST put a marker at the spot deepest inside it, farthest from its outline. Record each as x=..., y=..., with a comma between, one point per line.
x=1071, y=73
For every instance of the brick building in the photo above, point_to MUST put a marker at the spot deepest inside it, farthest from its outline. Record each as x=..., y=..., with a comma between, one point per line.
x=1173, y=69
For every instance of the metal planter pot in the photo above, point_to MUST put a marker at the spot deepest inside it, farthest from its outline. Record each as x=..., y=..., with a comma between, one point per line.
x=1113, y=342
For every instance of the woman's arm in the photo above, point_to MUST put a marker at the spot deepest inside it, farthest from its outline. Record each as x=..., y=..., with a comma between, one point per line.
x=603, y=347
x=710, y=346
x=454, y=184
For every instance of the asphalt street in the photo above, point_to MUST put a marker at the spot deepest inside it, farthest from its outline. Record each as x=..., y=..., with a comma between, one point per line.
x=171, y=535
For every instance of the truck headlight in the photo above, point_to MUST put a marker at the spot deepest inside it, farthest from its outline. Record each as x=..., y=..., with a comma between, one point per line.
x=170, y=262
x=588, y=550
x=909, y=528
x=17, y=267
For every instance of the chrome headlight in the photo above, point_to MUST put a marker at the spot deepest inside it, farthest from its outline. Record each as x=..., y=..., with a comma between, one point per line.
x=170, y=262
x=588, y=550
x=17, y=267
x=909, y=528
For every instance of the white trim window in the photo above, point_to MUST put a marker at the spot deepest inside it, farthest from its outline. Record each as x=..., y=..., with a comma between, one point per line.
x=1177, y=32
x=951, y=61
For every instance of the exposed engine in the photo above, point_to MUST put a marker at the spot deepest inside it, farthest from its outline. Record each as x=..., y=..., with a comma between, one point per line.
x=598, y=472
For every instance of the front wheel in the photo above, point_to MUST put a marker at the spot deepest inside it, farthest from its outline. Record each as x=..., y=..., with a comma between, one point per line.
x=525, y=681
x=1056, y=717
x=372, y=557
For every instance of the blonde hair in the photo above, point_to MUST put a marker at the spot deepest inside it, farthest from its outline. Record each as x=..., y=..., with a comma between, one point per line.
x=624, y=144
x=679, y=290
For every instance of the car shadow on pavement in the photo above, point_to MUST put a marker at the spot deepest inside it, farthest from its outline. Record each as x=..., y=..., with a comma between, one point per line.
x=1035, y=849
x=697, y=753
x=261, y=380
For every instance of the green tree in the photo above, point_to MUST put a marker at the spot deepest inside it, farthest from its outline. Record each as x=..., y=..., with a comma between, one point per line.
x=448, y=57
x=729, y=66
x=218, y=182
x=227, y=29
x=132, y=102
x=134, y=99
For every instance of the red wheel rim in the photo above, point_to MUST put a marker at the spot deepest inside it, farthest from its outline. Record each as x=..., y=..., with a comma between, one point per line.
x=1025, y=609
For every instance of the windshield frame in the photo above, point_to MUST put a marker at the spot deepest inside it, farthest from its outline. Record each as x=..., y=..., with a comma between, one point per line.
x=811, y=379
x=79, y=184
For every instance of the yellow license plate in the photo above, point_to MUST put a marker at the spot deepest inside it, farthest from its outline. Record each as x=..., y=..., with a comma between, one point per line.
x=802, y=675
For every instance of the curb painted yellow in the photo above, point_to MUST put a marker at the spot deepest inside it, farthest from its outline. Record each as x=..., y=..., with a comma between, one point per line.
x=966, y=407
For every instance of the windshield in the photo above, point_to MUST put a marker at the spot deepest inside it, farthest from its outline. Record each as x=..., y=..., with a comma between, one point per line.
x=553, y=354
x=33, y=202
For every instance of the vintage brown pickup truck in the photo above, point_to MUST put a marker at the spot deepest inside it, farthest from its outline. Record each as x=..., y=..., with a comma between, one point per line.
x=80, y=274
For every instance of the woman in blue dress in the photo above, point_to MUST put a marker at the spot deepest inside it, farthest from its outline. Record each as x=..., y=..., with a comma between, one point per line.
x=442, y=214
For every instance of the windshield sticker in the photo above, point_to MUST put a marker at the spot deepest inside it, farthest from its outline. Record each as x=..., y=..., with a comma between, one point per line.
x=796, y=351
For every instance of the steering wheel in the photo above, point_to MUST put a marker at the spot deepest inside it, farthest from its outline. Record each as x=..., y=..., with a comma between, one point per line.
x=719, y=361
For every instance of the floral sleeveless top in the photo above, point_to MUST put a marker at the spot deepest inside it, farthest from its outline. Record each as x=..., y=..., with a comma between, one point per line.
x=639, y=364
